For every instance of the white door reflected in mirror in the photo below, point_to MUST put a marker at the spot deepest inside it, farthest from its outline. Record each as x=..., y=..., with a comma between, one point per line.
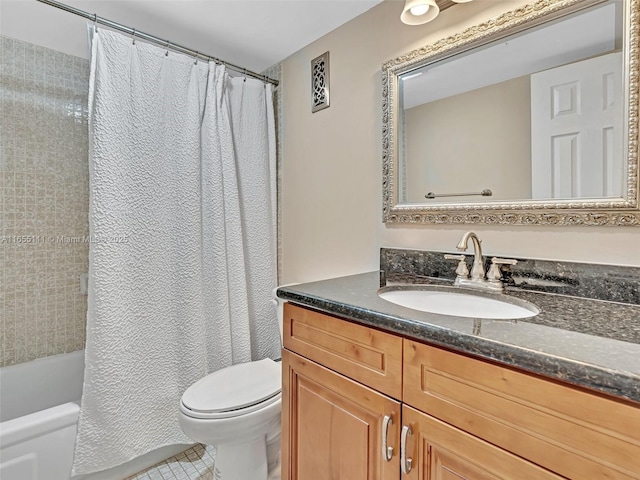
x=576, y=130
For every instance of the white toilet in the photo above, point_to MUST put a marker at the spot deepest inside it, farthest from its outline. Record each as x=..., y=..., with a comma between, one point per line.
x=237, y=409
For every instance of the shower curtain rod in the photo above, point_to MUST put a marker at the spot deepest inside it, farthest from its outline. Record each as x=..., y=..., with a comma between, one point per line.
x=158, y=41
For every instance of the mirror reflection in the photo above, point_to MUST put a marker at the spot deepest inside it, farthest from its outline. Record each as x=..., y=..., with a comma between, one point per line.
x=535, y=116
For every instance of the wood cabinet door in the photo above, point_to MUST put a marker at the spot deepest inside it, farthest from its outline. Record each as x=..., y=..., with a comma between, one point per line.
x=334, y=428
x=578, y=434
x=438, y=451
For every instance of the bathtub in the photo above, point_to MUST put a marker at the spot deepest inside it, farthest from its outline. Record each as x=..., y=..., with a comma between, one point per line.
x=39, y=406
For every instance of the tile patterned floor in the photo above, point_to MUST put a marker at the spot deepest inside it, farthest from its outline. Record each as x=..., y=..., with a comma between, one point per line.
x=196, y=463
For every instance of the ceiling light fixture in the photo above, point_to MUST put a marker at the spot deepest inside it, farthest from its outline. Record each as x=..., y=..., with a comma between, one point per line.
x=417, y=12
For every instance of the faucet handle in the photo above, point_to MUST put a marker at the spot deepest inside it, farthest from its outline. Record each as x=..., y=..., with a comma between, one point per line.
x=494, y=274
x=462, y=271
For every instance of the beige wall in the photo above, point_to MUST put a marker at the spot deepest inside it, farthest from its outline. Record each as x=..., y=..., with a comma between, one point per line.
x=331, y=177
x=493, y=153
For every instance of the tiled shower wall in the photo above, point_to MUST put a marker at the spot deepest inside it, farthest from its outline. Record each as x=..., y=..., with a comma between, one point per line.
x=44, y=201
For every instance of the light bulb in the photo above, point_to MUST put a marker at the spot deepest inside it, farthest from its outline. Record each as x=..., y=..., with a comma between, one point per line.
x=419, y=9
x=418, y=12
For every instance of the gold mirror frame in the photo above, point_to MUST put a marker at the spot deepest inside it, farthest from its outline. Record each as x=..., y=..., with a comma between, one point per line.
x=615, y=212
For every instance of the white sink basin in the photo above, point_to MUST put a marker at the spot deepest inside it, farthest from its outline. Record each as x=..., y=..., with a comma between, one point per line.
x=459, y=303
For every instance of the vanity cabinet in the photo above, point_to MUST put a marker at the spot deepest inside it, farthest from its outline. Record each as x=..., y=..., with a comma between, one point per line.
x=362, y=404
x=572, y=432
x=439, y=451
x=335, y=426
x=339, y=399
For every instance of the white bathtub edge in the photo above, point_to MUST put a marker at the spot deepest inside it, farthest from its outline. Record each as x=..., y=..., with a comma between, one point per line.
x=30, y=426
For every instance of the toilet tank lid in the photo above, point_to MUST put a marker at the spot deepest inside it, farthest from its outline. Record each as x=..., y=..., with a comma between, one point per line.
x=234, y=387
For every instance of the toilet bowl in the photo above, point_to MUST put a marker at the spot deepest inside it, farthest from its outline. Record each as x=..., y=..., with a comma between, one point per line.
x=237, y=409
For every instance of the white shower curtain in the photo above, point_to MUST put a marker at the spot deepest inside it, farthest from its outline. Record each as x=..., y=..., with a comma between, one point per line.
x=183, y=254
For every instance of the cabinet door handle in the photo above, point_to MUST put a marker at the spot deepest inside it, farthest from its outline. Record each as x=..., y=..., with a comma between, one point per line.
x=405, y=463
x=387, y=451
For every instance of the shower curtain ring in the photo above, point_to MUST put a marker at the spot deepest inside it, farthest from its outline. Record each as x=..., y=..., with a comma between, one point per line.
x=196, y=62
x=95, y=22
x=167, y=47
x=134, y=36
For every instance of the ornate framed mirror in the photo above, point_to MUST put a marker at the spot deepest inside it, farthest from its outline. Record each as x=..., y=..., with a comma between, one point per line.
x=529, y=118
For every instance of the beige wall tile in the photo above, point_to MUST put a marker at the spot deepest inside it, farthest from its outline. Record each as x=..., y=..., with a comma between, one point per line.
x=45, y=192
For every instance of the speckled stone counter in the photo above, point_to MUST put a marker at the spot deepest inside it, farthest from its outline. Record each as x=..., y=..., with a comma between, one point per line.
x=587, y=342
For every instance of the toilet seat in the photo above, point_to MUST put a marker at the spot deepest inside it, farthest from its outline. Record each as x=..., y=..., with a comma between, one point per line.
x=234, y=391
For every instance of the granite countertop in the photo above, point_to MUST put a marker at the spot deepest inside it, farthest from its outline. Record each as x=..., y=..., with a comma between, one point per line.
x=590, y=343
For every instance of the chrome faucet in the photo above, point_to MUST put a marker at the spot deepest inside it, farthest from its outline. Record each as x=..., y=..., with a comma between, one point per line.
x=478, y=278
x=477, y=271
